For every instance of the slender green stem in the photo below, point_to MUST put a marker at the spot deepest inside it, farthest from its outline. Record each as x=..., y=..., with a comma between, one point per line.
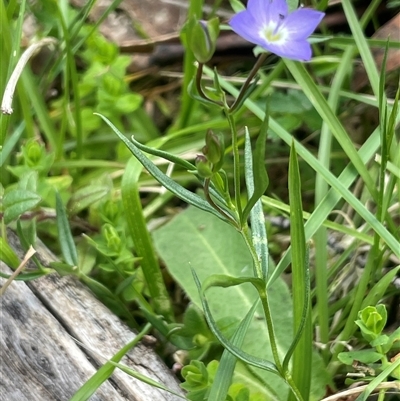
x=250, y=77
x=271, y=331
x=257, y=265
x=382, y=393
x=199, y=87
x=236, y=163
x=293, y=387
x=264, y=297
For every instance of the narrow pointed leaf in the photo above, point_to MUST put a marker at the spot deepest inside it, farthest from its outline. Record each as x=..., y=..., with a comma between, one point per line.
x=142, y=240
x=242, y=355
x=162, y=178
x=90, y=386
x=301, y=357
x=256, y=183
x=227, y=363
x=65, y=238
x=164, y=155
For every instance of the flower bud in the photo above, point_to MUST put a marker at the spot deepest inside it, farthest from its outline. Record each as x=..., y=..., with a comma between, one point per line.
x=113, y=240
x=203, y=38
x=204, y=167
x=374, y=318
x=33, y=153
x=372, y=321
x=213, y=149
x=195, y=375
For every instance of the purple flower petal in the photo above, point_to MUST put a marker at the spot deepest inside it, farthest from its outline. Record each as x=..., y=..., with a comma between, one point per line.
x=266, y=12
x=241, y=22
x=294, y=50
x=302, y=23
x=260, y=10
x=268, y=24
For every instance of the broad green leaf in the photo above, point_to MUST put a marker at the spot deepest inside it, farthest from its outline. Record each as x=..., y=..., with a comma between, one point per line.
x=17, y=202
x=29, y=181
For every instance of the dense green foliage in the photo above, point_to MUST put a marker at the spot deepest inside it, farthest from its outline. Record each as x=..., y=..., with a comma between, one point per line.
x=90, y=173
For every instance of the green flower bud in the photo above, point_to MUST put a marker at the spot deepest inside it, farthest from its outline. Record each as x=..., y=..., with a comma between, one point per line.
x=112, y=238
x=202, y=37
x=213, y=149
x=110, y=210
x=204, y=167
x=372, y=321
x=195, y=375
x=33, y=153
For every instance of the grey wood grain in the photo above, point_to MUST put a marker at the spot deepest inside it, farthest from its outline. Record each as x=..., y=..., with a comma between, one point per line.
x=40, y=361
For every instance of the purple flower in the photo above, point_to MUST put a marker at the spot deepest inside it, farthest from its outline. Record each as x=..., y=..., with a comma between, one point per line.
x=268, y=24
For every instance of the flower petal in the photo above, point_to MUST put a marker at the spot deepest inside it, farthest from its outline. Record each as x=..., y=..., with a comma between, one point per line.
x=245, y=26
x=301, y=23
x=278, y=10
x=260, y=10
x=294, y=50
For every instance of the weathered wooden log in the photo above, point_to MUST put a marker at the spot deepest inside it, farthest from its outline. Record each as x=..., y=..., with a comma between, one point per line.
x=40, y=361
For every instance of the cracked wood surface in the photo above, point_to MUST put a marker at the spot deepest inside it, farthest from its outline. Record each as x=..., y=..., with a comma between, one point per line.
x=40, y=361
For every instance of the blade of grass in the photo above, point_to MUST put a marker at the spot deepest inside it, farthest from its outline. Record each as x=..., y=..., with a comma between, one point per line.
x=378, y=380
x=301, y=357
x=9, y=146
x=333, y=181
x=142, y=241
x=311, y=90
x=362, y=45
x=226, y=367
x=90, y=387
x=40, y=108
x=187, y=103
x=321, y=189
x=70, y=86
x=340, y=228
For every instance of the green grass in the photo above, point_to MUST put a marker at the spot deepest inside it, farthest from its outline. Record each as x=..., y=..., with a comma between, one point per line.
x=115, y=226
